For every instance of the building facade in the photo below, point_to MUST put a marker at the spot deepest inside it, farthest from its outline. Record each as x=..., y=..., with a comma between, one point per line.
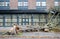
x=28, y=4
x=26, y=19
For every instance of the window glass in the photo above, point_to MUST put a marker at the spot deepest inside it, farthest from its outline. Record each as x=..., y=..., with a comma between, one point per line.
x=19, y=23
x=25, y=4
x=41, y=0
x=35, y=20
x=1, y=23
x=1, y=3
x=7, y=4
x=29, y=20
x=7, y=0
x=27, y=23
x=24, y=23
x=25, y=0
x=14, y=23
x=23, y=7
x=20, y=3
x=7, y=18
x=20, y=0
x=14, y=20
x=38, y=4
x=41, y=8
x=1, y=20
x=42, y=18
x=14, y=16
x=20, y=20
x=43, y=3
x=8, y=24
x=56, y=3
x=57, y=0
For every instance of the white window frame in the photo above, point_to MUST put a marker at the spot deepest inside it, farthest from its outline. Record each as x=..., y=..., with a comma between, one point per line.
x=38, y=4
x=1, y=23
x=56, y=3
x=27, y=20
x=25, y=3
x=7, y=3
x=43, y=3
x=14, y=20
x=1, y=20
x=2, y=4
x=20, y=3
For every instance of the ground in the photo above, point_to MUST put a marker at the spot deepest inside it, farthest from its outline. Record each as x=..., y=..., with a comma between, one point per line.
x=33, y=35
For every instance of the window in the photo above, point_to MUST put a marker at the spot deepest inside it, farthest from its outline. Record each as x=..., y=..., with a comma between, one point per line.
x=7, y=3
x=42, y=18
x=7, y=0
x=43, y=3
x=7, y=24
x=1, y=3
x=22, y=7
x=1, y=24
x=57, y=0
x=25, y=0
x=56, y=3
x=7, y=18
x=25, y=4
x=35, y=20
x=1, y=20
x=20, y=0
x=19, y=23
x=37, y=3
x=29, y=20
x=14, y=18
x=19, y=20
x=20, y=4
x=41, y=0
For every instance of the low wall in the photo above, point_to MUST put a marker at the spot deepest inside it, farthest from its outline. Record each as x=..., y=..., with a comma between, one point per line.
x=3, y=29
x=27, y=37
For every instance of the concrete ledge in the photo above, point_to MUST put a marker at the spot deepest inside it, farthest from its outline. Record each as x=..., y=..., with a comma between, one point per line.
x=16, y=36
x=3, y=29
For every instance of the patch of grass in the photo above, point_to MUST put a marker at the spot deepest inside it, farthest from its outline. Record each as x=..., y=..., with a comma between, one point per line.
x=20, y=33
x=56, y=29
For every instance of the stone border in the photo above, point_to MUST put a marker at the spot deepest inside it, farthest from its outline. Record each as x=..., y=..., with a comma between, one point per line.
x=10, y=36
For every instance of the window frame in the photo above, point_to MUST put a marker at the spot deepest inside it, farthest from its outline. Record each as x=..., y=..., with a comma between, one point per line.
x=38, y=3
x=56, y=3
x=43, y=3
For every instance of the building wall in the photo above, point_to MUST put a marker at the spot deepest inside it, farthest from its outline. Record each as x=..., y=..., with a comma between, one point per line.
x=13, y=4
x=50, y=4
x=24, y=19
x=31, y=4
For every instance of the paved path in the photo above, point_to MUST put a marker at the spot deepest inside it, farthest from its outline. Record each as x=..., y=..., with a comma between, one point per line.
x=34, y=35
x=40, y=34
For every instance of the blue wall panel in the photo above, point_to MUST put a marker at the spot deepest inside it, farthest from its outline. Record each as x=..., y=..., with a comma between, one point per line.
x=4, y=0
x=22, y=7
x=4, y=8
x=1, y=0
x=40, y=0
x=22, y=0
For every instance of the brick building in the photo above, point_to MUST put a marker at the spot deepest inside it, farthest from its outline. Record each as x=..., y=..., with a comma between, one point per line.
x=26, y=12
